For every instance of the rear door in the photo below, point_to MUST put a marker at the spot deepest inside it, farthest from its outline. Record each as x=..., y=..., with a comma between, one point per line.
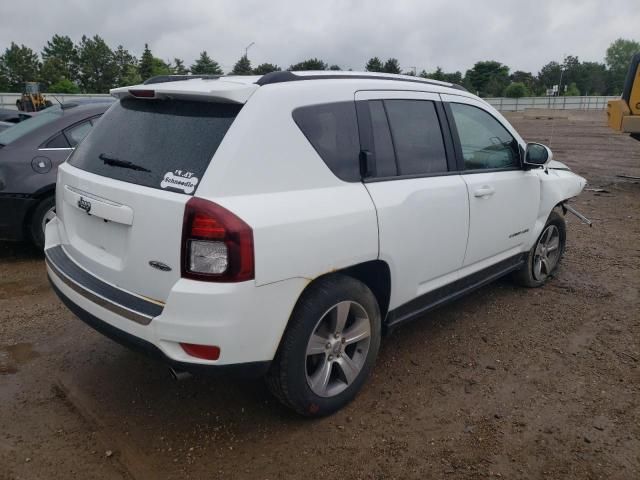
x=420, y=199
x=503, y=197
x=122, y=193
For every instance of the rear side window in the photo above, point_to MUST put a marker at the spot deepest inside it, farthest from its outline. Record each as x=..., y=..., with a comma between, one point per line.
x=332, y=129
x=76, y=133
x=164, y=144
x=417, y=137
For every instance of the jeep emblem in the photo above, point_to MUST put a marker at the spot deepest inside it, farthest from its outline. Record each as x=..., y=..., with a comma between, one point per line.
x=84, y=205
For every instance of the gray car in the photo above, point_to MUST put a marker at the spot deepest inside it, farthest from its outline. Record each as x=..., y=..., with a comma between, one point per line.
x=30, y=153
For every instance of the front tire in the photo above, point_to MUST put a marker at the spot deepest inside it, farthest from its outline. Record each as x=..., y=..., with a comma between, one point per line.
x=42, y=214
x=543, y=260
x=329, y=347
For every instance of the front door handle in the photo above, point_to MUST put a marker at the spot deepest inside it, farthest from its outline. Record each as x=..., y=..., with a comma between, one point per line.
x=484, y=191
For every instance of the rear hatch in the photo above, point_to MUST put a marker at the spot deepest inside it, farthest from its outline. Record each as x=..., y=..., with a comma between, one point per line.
x=121, y=196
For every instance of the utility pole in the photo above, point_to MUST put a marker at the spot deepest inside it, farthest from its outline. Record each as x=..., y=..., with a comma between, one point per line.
x=246, y=49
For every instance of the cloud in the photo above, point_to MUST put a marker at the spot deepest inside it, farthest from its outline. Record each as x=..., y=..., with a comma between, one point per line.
x=423, y=34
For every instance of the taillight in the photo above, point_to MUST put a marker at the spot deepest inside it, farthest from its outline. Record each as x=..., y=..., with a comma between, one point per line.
x=217, y=246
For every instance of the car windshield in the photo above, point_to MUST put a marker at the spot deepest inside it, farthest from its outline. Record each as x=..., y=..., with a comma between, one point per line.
x=29, y=125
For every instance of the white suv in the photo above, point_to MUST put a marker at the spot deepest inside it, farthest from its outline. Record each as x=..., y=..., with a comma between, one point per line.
x=281, y=224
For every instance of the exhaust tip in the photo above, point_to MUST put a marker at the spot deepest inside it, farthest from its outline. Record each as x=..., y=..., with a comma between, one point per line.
x=178, y=375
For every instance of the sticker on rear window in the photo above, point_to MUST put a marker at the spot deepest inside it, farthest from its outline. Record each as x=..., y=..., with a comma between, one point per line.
x=179, y=180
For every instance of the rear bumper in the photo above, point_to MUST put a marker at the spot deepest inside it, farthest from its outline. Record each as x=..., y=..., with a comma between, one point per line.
x=13, y=212
x=245, y=321
x=250, y=369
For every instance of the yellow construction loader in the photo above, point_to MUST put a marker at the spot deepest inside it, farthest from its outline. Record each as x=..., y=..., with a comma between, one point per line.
x=624, y=114
x=32, y=100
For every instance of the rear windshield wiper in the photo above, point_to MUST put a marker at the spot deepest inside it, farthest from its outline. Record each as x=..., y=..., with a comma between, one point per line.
x=114, y=162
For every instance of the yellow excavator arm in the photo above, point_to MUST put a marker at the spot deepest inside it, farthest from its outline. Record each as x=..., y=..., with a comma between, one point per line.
x=624, y=114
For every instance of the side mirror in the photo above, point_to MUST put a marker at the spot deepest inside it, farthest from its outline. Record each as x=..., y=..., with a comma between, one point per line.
x=537, y=155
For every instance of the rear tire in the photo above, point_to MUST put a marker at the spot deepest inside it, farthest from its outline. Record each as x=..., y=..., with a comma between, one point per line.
x=543, y=260
x=329, y=347
x=42, y=214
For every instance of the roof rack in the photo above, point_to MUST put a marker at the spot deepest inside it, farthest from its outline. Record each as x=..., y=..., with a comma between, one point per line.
x=287, y=76
x=177, y=78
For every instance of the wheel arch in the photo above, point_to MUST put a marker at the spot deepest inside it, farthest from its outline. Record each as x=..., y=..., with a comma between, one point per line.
x=375, y=274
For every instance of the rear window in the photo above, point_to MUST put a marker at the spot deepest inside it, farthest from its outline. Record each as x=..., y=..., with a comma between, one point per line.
x=332, y=129
x=165, y=144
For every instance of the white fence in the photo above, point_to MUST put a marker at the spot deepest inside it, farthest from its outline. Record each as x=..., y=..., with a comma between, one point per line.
x=8, y=100
x=555, y=103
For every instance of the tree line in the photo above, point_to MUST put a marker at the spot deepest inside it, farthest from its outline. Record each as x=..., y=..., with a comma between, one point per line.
x=91, y=66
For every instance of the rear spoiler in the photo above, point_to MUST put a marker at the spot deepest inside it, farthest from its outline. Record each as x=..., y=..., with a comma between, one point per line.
x=196, y=88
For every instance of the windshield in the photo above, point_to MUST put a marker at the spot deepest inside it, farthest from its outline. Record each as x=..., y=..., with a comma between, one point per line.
x=29, y=125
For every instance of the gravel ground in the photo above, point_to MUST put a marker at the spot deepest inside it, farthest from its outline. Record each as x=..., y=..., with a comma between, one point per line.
x=506, y=383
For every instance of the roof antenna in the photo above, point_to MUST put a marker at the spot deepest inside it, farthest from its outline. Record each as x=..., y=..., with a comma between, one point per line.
x=56, y=99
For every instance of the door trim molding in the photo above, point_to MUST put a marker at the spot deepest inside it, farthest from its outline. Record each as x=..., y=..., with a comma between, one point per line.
x=452, y=291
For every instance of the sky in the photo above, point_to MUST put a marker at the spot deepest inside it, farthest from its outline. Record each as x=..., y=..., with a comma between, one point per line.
x=523, y=34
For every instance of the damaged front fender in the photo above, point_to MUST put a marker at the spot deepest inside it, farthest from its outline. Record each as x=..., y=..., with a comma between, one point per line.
x=557, y=185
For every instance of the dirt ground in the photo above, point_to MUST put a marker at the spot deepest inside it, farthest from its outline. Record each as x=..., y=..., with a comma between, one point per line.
x=508, y=382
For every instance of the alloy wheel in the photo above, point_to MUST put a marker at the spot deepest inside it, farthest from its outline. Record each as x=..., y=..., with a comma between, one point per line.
x=547, y=253
x=337, y=350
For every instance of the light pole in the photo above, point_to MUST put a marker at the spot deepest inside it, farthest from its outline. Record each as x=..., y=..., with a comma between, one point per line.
x=246, y=49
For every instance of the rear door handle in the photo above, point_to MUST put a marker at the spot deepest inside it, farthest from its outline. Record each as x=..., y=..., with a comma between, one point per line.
x=484, y=191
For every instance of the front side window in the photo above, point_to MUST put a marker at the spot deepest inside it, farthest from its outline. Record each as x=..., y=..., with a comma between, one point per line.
x=485, y=143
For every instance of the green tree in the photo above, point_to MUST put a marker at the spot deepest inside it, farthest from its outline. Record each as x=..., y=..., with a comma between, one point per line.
x=526, y=78
x=335, y=68
x=488, y=78
x=242, y=67
x=131, y=76
x=160, y=67
x=18, y=64
x=549, y=76
x=572, y=90
x=98, y=67
x=64, y=86
x=204, y=65
x=374, y=65
x=265, y=68
x=145, y=67
x=592, y=79
x=179, y=68
x=392, y=66
x=125, y=63
x=453, y=77
x=60, y=60
x=52, y=71
x=618, y=58
x=310, y=64
x=516, y=90
x=437, y=75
